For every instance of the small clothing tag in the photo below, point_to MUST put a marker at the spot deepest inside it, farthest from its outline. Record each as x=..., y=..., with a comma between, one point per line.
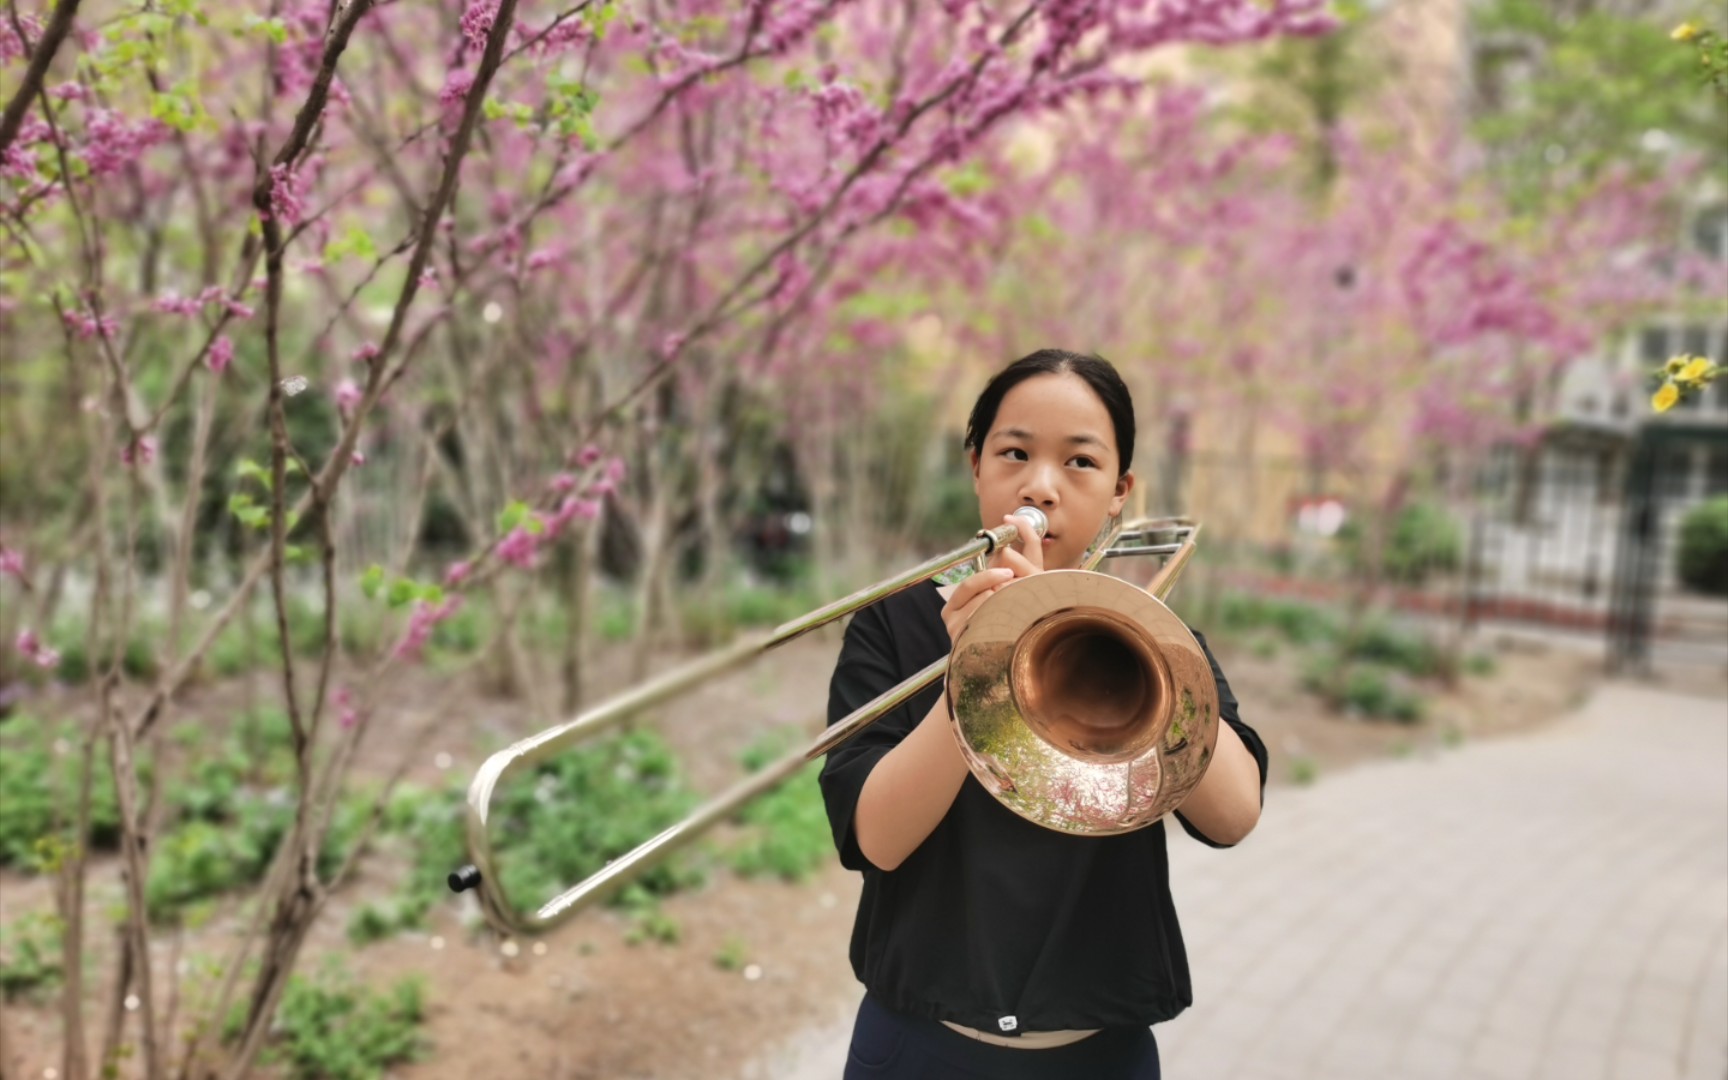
x=1009, y=1023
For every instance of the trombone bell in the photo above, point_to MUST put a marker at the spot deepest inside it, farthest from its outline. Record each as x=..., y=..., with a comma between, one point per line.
x=1082, y=703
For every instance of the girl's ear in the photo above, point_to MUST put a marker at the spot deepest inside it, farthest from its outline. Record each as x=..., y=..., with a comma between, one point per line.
x=1124, y=484
x=973, y=454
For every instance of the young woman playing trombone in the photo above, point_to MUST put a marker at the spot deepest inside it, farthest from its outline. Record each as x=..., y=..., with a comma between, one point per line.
x=988, y=945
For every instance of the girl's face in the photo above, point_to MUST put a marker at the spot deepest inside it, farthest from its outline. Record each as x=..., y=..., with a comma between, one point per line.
x=1052, y=446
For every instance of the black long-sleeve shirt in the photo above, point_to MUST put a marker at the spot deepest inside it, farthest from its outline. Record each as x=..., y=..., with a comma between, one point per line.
x=993, y=916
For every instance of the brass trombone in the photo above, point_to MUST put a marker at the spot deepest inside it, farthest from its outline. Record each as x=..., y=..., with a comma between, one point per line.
x=1079, y=701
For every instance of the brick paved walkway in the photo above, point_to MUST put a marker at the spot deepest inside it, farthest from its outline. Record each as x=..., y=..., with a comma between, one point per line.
x=1552, y=905
x=1545, y=906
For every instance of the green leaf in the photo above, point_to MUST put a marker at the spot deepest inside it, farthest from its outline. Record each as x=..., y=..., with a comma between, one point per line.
x=599, y=17
x=296, y=554
x=402, y=590
x=254, y=517
x=274, y=29
x=512, y=516
x=432, y=594
x=251, y=470
x=372, y=581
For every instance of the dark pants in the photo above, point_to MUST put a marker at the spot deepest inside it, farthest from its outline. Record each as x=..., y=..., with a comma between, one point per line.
x=889, y=1046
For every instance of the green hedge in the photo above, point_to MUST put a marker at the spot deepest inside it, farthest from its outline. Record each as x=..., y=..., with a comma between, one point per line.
x=1703, y=551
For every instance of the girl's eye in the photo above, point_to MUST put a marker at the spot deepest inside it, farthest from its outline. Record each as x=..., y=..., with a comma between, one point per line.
x=1085, y=463
x=1011, y=451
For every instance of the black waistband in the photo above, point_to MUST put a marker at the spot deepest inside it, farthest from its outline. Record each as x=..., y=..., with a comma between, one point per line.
x=1095, y=1055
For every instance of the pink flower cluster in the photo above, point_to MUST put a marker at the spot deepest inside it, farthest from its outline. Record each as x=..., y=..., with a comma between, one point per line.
x=18, y=163
x=140, y=451
x=12, y=47
x=287, y=200
x=348, y=395
x=347, y=713
x=33, y=650
x=221, y=355
x=477, y=22
x=111, y=142
x=422, y=622
x=11, y=563
x=521, y=547
x=175, y=304
x=88, y=325
x=456, y=86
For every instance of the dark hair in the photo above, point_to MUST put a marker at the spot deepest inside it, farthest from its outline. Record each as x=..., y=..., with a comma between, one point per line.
x=1099, y=374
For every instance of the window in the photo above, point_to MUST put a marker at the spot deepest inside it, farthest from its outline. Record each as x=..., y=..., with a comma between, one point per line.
x=1716, y=472
x=1652, y=346
x=1673, y=471
x=1710, y=231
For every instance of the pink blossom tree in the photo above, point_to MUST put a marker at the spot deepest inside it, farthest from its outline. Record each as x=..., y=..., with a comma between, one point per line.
x=316, y=265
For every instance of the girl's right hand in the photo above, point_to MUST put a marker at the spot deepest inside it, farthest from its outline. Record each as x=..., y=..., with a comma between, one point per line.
x=968, y=595
x=1005, y=565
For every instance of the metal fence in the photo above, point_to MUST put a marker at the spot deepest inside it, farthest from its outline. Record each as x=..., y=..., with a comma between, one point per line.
x=1578, y=536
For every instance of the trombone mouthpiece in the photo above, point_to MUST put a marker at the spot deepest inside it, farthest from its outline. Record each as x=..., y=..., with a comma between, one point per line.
x=1035, y=518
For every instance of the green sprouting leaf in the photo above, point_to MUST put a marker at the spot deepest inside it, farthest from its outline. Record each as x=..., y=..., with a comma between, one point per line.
x=599, y=17
x=402, y=591
x=512, y=516
x=372, y=581
x=254, y=517
x=432, y=594
x=296, y=554
x=355, y=242
x=175, y=110
x=968, y=181
x=274, y=29
x=248, y=469
x=238, y=502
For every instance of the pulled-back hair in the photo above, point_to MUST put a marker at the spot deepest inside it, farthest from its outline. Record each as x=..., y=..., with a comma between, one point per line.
x=1099, y=374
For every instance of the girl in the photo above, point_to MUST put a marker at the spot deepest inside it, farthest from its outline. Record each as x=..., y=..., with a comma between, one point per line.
x=990, y=947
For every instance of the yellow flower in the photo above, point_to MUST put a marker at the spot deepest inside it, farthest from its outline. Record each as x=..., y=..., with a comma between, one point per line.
x=1686, y=31
x=1665, y=397
x=1696, y=370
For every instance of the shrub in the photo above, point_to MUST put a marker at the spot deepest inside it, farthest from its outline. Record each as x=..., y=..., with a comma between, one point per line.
x=30, y=959
x=1382, y=644
x=790, y=834
x=550, y=829
x=1702, y=560
x=1302, y=624
x=137, y=661
x=229, y=813
x=717, y=619
x=201, y=859
x=1423, y=539
x=1369, y=691
x=331, y=1029
x=38, y=793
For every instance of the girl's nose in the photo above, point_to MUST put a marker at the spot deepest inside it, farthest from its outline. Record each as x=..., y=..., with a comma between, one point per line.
x=1039, y=488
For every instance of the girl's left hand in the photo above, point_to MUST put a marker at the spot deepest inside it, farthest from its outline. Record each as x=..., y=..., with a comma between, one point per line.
x=1026, y=557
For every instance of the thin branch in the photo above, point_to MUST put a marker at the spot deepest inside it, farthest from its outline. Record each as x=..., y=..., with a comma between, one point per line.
x=59, y=25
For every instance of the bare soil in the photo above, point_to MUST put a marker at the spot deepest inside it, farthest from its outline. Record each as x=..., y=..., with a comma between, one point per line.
x=584, y=1004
